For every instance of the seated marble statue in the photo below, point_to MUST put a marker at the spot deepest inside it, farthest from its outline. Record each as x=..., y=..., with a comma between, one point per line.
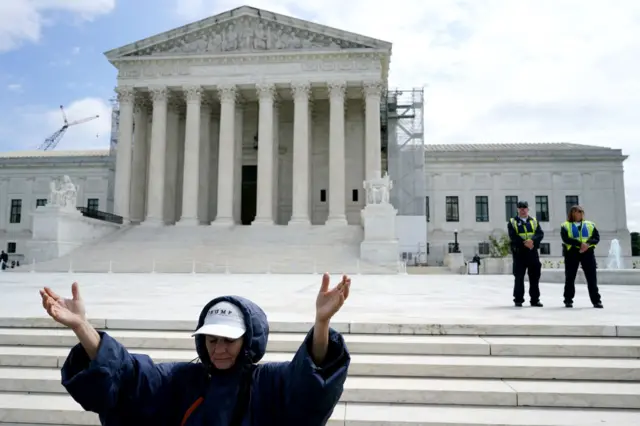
x=226, y=387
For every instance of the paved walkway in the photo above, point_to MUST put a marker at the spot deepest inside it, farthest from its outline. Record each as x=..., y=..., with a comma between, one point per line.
x=393, y=299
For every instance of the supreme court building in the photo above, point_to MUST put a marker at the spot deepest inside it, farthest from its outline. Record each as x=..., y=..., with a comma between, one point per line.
x=248, y=117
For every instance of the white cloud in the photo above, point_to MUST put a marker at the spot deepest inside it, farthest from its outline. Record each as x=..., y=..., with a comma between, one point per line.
x=14, y=87
x=500, y=70
x=22, y=20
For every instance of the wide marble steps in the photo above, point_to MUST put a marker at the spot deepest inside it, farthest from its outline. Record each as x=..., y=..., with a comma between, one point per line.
x=459, y=374
x=212, y=249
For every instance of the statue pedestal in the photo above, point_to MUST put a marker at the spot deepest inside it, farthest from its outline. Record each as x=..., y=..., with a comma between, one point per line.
x=59, y=230
x=380, y=245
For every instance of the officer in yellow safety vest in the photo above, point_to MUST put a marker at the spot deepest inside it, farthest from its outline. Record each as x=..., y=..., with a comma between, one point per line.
x=525, y=234
x=579, y=238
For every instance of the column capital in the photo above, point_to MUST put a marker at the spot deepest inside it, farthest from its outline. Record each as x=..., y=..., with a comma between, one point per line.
x=159, y=93
x=337, y=89
x=126, y=94
x=301, y=90
x=227, y=93
x=372, y=88
x=193, y=93
x=266, y=91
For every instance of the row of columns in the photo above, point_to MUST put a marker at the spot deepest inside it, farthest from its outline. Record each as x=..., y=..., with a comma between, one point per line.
x=196, y=147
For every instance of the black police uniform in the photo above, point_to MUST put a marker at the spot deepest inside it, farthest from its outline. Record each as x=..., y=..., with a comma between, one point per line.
x=585, y=231
x=525, y=260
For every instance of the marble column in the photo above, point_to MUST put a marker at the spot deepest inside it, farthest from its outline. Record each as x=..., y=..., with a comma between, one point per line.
x=191, y=169
x=241, y=107
x=157, y=160
x=337, y=164
x=373, y=157
x=301, y=148
x=264, y=210
x=139, y=163
x=205, y=160
x=227, y=95
x=122, y=190
x=171, y=180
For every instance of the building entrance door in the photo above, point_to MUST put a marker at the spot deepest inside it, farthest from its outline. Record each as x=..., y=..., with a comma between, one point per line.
x=249, y=194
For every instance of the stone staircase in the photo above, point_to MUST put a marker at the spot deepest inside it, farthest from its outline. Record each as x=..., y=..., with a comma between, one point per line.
x=401, y=374
x=213, y=249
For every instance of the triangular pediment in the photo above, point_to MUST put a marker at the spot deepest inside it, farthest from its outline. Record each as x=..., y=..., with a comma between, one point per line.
x=247, y=29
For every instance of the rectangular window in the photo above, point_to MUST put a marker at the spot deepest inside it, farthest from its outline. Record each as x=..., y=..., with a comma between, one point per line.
x=482, y=208
x=511, y=206
x=11, y=247
x=545, y=249
x=93, y=204
x=41, y=202
x=453, y=212
x=483, y=249
x=571, y=200
x=354, y=195
x=16, y=211
x=427, y=209
x=323, y=195
x=542, y=208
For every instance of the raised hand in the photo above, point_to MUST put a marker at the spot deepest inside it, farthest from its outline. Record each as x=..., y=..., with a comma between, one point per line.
x=68, y=312
x=330, y=301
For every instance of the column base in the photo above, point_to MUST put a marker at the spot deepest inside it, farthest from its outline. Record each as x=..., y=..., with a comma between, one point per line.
x=299, y=221
x=263, y=221
x=188, y=221
x=223, y=222
x=152, y=222
x=336, y=221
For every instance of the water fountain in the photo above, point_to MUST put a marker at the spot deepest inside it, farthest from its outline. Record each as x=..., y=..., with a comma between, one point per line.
x=614, y=260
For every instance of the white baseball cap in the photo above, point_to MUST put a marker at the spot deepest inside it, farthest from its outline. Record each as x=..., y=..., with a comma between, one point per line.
x=224, y=319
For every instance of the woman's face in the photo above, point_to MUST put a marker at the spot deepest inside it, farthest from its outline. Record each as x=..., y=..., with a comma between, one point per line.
x=223, y=352
x=578, y=215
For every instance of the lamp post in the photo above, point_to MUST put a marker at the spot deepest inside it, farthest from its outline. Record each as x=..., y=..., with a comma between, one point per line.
x=456, y=247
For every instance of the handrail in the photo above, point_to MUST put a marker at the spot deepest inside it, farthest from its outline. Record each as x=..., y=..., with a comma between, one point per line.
x=100, y=215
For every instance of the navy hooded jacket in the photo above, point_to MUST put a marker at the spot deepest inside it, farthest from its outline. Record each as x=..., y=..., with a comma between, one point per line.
x=128, y=389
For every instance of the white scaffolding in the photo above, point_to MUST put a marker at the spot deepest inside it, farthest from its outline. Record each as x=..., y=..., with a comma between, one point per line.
x=403, y=140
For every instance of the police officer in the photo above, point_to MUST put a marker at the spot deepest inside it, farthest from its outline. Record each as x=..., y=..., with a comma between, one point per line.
x=579, y=238
x=525, y=234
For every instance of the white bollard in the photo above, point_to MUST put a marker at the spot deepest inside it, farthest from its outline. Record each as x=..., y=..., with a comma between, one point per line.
x=110, y=267
x=33, y=266
x=153, y=266
x=193, y=267
x=70, y=266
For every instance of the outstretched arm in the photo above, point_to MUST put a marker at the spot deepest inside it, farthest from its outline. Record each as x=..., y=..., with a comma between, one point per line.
x=313, y=382
x=99, y=373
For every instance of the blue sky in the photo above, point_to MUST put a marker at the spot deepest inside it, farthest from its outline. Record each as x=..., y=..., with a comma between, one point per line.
x=494, y=70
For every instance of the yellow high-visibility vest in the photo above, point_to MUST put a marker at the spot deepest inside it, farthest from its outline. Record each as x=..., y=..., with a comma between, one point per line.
x=582, y=234
x=526, y=232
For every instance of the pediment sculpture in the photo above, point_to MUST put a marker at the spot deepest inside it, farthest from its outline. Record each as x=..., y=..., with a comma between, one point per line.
x=63, y=194
x=378, y=189
x=247, y=34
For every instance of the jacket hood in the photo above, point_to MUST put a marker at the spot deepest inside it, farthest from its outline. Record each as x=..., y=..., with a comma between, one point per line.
x=255, y=338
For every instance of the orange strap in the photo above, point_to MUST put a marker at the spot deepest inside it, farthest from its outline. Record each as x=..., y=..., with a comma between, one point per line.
x=191, y=410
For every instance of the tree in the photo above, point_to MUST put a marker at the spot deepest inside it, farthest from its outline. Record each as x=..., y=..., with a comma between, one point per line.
x=635, y=244
x=499, y=247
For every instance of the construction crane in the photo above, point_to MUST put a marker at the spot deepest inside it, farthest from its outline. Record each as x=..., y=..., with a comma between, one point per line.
x=52, y=141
